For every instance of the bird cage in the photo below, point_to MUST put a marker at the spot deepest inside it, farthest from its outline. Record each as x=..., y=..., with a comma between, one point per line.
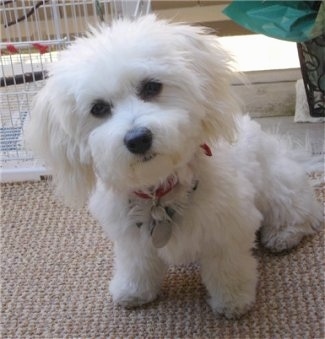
x=32, y=35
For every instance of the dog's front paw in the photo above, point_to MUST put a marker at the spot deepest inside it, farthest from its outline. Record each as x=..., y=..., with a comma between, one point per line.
x=130, y=295
x=231, y=288
x=231, y=309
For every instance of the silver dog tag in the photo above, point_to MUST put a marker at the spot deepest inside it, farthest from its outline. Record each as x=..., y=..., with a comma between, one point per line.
x=160, y=232
x=158, y=213
x=160, y=227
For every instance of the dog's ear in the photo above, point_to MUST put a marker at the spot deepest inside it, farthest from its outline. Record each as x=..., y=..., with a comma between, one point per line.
x=213, y=66
x=49, y=135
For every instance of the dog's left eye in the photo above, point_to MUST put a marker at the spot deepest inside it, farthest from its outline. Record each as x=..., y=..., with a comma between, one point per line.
x=101, y=109
x=150, y=89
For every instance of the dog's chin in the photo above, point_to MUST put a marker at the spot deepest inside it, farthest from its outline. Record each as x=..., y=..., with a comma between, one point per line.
x=153, y=168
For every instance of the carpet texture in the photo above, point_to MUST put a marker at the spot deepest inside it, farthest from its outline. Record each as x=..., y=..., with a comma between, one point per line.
x=56, y=265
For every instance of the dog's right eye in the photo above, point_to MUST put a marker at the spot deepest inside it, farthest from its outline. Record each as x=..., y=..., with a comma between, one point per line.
x=150, y=89
x=101, y=109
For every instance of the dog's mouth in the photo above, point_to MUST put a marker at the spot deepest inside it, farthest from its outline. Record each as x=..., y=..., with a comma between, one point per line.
x=147, y=157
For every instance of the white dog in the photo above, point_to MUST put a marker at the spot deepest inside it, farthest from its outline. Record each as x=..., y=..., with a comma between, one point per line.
x=139, y=117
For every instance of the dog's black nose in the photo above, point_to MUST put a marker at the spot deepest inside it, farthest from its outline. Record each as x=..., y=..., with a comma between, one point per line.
x=138, y=140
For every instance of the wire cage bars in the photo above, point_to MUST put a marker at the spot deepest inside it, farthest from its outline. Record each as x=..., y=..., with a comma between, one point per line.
x=32, y=35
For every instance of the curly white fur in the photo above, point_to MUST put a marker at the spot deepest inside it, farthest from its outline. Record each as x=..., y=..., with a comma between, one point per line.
x=252, y=179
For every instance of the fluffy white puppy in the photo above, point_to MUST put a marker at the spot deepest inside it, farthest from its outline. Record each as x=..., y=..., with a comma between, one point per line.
x=139, y=117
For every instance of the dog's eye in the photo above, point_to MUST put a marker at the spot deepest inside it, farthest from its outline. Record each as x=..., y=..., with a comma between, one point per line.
x=101, y=109
x=150, y=89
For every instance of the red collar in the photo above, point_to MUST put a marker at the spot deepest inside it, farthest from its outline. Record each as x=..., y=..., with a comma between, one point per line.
x=206, y=149
x=162, y=189
x=169, y=184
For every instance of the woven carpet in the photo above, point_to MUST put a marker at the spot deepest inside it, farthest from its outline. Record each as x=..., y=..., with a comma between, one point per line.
x=56, y=265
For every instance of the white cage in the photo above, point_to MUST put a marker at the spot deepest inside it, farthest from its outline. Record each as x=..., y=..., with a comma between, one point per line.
x=32, y=35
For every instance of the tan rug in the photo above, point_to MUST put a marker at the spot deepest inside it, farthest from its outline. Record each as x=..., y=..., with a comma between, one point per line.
x=56, y=265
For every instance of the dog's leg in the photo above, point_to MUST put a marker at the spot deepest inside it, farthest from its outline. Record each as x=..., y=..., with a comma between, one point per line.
x=278, y=174
x=138, y=273
x=230, y=276
x=291, y=211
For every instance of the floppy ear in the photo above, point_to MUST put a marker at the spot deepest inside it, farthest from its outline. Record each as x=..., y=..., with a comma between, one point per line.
x=213, y=66
x=49, y=137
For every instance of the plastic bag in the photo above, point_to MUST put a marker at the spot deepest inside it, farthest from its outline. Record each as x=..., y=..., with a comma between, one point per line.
x=286, y=20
